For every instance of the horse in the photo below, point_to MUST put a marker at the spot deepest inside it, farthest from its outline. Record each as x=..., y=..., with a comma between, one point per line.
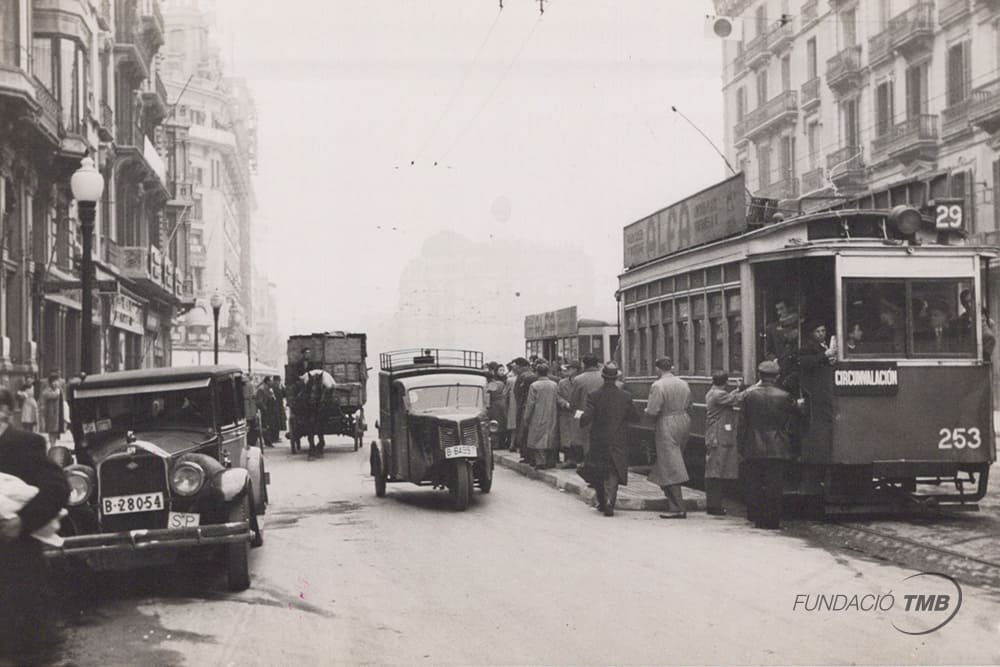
x=312, y=403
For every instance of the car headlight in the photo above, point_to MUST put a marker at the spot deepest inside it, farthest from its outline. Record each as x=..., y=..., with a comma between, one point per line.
x=187, y=478
x=81, y=484
x=493, y=426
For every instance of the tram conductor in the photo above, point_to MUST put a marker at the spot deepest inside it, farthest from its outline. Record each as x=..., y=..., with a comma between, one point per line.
x=765, y=443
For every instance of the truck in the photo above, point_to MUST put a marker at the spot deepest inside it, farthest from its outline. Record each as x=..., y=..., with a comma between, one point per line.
x=343, y=357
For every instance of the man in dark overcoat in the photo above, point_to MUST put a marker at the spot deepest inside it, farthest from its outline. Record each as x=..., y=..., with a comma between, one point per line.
x=24, y=626
x=521, y=386
x=768, y=416
x=608, y=410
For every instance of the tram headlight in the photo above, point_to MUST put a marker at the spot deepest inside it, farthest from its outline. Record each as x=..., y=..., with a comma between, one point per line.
x=81, y=484
x=905, y=218
x=187, y=478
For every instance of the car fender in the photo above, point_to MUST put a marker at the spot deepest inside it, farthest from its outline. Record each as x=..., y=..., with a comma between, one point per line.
x=232, y=483
x=383, y=447
x=255, y=468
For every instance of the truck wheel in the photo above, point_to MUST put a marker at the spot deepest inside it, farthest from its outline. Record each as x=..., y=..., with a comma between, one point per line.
x=377, y=472
x=238, y=553
x=461, y=492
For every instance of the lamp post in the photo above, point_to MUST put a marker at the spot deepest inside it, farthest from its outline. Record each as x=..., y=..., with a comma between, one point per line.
x=216, y=307
x=87, y=185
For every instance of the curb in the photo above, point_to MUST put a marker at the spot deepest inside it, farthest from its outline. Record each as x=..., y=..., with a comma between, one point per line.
x=694, y=500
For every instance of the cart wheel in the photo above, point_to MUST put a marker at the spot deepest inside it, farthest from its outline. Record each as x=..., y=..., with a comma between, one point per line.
x=377, y=472
x=486, y=481
x=238, y=553
x=461, y=492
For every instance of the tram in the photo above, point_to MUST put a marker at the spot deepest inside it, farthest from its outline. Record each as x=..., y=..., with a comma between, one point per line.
x=902, y=417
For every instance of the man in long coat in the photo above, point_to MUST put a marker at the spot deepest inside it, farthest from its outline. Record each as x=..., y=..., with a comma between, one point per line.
x=768, y=415
x=669, y=400
x=496, y=408
x=280, y=396
x=607, y=412
x=568, y=426
x=541, y=417
x=508, y=394
x=721, y=458
x=521, y=386
x=589, y=380
x=264, y=399
x=23, y=623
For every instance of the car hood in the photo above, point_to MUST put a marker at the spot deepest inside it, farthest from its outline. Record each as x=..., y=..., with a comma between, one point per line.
x=166, y=442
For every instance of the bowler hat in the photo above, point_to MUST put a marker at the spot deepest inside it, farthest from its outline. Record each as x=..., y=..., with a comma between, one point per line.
x=610, y=371
x=769, y=368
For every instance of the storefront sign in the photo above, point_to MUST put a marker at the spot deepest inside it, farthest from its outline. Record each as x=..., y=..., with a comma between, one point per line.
x=553, y=324
x=152, y=320
x=126, y=314
x=866, y=379
x=712, y=214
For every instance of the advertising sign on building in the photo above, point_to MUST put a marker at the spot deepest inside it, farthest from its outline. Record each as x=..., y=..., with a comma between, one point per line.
x=552, y=324
x=714, y=213
x=126, y=314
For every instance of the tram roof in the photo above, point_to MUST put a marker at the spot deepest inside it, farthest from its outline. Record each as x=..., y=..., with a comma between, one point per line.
x=808, y=246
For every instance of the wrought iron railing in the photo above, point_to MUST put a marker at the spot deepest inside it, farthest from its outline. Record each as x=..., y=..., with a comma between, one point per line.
x=810, y=90
x=917, y=20
x=845, y=159
x=920, y=128
x=843, y=64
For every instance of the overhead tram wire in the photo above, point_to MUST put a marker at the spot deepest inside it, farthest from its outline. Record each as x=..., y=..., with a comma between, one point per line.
x=459, y=89
x=493, y=92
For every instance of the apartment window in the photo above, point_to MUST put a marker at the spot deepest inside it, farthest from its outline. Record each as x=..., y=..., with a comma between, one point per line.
x=44, y=62
x=198, y=174
x=10, y=25
x=848, y=27
x=959, y=73
x=884, y=13
x=786, y=158
x=812, y=135
x=850, y=123
x=812, y=59
x=741, y=103
x=760, y=19
x=786, y=73
x=763, y=165
x=883, y=108
x=916, y=90
x=761, y=88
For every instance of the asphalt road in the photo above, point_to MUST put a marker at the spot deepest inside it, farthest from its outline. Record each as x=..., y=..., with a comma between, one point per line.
x=527, y=575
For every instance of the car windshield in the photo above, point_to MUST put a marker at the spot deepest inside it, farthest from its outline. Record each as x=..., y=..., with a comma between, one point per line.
x=445, y=397
x=190, y=408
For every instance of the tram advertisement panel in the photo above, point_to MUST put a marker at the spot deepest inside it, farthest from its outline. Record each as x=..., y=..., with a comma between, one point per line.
x=916, y=424
x=714, y=213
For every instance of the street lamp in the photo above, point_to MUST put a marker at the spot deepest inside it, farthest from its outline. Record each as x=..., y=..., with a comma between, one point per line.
x=87, y=185
x=216, y=302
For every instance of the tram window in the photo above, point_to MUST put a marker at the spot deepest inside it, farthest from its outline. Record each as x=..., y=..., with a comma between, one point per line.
x=697, y=279
x=633, y=353
x=943, y=318
x=630, y=295
x=735, y=343
x=667, y=316
x=731, y=272
x=642, y=292
x=654, y=288
x=597, y=347
x=667, y=286
x=700, y=335
x=681, y=283
x=714, y=275
x=643, y=356
x=683, y=337
x=878, y=309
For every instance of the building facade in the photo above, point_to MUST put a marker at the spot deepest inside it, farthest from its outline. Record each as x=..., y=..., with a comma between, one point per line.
x=212, y=133
x=78, y=79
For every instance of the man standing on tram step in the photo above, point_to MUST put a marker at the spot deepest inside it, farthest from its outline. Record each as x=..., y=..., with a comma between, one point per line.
x=583, y=384
x=721, y=459
x=24, y=626
x=608, y=410
x=764, y=442
x=669, y=400
x=777, y=340
x=541, y=417
x=815, y=351
x=525, y=377
x=568, y=426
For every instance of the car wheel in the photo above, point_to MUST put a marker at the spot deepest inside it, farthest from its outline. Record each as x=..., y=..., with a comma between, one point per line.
x=257, y=536
x=238, y=553
x=377, y=472
x=461, y=491
x=486, y=480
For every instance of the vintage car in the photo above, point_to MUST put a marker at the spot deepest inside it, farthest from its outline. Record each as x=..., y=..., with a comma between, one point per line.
x=161, y=465
x=432, y=423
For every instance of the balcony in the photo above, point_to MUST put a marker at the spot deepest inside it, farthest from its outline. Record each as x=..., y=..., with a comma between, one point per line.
x=756, y=52
x=810, y=13
x=810, y=93
x=49, y=112
x=880, y=48
x=955, y=119
x=106, y=131
x=785, y=188
x=813, y=180
x=780, y=37
x=984, y=109
x=136, y=151
x=844, y=71
x=111, y=254
x=130, y=44
x=778, y=111
x=915, y=138
x=846, y=168
x=952, y=11
x=181, y=193
x=154, y=97
x=104, y=15
x=15, y=79
x=912, y=32
x=152, y=22
x=146, y=267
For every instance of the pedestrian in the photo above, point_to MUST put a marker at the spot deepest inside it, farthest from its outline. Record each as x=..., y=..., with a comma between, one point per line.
x=768, y=414
x=587, y=381
x=541, y=417
x=721, y=459
x=508, y=394
x=608, y=410
x=264, y=398
x=304, y=363
x=524, y=379
x=280, y=395
x=25, y=629
x=50, y=409
x=816, y=351
x=568, y=425
x=29, y=406
x=295, y=391
x=496, y=402
x=669, y=400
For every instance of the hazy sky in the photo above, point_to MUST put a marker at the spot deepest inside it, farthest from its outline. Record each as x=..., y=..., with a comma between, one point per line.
x=561, y=130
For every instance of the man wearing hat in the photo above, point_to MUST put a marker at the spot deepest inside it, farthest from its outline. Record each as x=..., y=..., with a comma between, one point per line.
x=669, y=400
x=587, y=381
x=525, y=376
x=816, y=351
x=568, y=431
x=608, y=409
x=764, y=442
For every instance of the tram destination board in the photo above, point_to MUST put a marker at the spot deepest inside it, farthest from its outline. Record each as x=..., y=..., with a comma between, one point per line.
x=875, y=378
x=714, y=213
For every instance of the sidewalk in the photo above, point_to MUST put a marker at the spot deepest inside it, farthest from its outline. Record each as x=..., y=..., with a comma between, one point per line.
x=640, y=494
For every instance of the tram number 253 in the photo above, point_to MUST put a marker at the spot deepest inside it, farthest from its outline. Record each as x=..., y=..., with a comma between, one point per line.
x=959, y=438
x=948, y=215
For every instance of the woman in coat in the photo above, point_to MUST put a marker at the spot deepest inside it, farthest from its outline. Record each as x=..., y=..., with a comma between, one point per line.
x=721, y=458
x=29, y=406
x=50, y=409
x=669, y=400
